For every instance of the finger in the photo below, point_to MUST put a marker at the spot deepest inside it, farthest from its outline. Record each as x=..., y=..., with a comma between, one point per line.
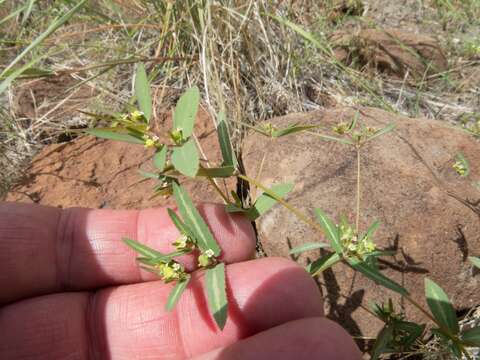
x=130, y=321
x=304, y=339
x=45, y=249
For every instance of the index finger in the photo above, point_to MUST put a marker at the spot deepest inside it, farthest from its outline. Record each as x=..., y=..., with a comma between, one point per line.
x=45, y=249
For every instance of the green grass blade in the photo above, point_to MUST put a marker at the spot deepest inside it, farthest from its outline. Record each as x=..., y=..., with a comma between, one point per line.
x=194, y=220
x=376, y=276
x=371, y=230
x=142, y=91
x=440, y=306
x=308, y=247
x=232, y=208
x=28, y=10
x=176, y=293
x=265, y=202
x=229, y=158
x=185, y=158
x=475, y=261
x=186, y=111
x=112, y=135
x=52, y=28
x=330, y=230
x=383, y=131
x=472, y=336
x=143, y=249
x=323, y=263
x=217, y=294
x=160, y=158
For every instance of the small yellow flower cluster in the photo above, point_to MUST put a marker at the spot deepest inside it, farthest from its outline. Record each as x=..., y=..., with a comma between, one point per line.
x=352, y=245
x=184, y=243
x=341, y=128
x=268, y=128
x=177, y=135
x=207, y=258
x=460, y=168
x=151, y=141
x=171, y=271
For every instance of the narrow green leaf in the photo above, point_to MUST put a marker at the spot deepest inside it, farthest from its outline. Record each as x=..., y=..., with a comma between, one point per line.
x=219, y=172
x=143, y=249
x=412, y=332
x=148, y=175
x=475, y=261
x=471, y=337
x=441, y=307
x=185, y=158
x=330, y=229
x=265, y=202
x=13, y=14
x=176, y=293
x=331, y=138
x=308, y=247
x=217, y=294
x=54, y=25
x=180, y=225
x=376, y=276
x=384, y=337
x=186, y=111
x=112, y=135
x=381, y=132
x=142, y=91
x=160, y=158
x=229, y=158
x=232, y=208
x=194, y=220
x=323, y=263
x=371, y=230
x=292, y=129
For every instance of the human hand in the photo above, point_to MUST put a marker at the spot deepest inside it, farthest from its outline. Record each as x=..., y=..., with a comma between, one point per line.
x=72, y=290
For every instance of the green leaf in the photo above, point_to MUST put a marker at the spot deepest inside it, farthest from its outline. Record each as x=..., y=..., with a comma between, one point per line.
x=219, y=172
x=232, y=208
x=143, y=249
x=176, y=293
x=323, y=263
x=471, y=337
x=265, y=202
x=186, y=111
x=441, y=307
x=376, y=276
x=308, y=247
x=112, y=135
x=217, y=294
x=291, y=129
x=412, y=332
x=330, y=230
x=194, y=220
x=180, y=225
x=384, y=337
x=160, y=158
x=383, y=131
x=185, y=158
x=371, y=230
x=465, y=166
x=148, y=175
x=229, y=158
x=27, y=11
x=475, y=261
x=331, y=138
x=142, y=91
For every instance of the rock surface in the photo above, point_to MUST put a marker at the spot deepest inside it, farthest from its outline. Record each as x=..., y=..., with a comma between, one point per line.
x=428, y=212
x=390, y=51
x=90, y=172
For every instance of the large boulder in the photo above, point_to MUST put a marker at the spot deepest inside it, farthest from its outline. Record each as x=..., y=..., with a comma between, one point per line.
x=429, y=213
x=390, y=51
x=96, y=173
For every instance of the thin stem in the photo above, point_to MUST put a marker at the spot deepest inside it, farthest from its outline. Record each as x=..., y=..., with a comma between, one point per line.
x=357, y=221
x=301, y=216
x=219, y=191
